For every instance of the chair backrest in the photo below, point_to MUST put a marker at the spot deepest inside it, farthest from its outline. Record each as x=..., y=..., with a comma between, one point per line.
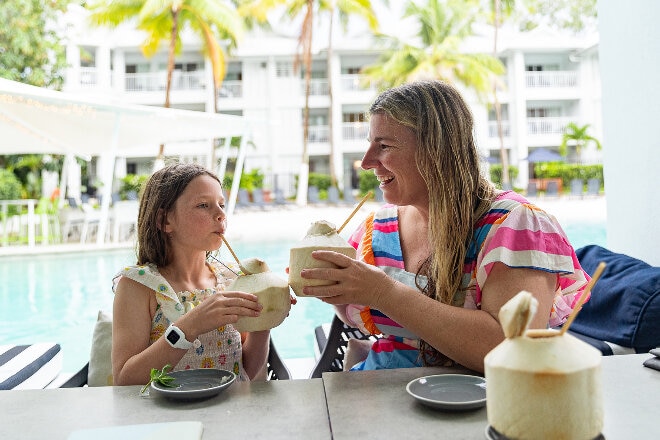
x=313, y=194
x=624, y=308
x=552, y=188
x=531, y=189
x=577, y=187
x=98, y=371
x=593, y=186
x=334, y=349
x=333, y=195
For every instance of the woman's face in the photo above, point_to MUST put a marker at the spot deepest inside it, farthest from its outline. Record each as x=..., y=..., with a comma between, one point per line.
x=391, y=155
x=198, y=219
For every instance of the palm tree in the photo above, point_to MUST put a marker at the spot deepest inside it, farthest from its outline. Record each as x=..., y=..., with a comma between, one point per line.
x=578, y=136
x=500, y=8
x=346, y=9
x=163, y=20
x=443, y=25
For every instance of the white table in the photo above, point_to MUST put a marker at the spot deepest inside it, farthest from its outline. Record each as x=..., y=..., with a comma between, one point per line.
x=375, y=405
x=289, y=409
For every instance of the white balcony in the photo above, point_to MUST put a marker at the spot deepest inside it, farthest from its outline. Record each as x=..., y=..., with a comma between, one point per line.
x=492, y=129
x=544, y=126
x=353, y=82
x=318, y=134
x=554, y=79
x=231, y=89
x=355, y=131
x=317, y=87
x=156, y=81
x=89, y=77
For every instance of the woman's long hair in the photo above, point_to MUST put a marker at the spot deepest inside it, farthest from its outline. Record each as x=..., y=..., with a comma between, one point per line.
x=459, y=195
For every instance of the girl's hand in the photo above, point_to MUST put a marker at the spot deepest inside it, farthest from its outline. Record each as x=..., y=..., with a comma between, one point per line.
x=355, y=282
x=221, y=309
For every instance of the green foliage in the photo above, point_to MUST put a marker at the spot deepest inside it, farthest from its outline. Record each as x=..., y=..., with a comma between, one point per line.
x=321, y=181
x=567, y=172
x=31, y=51
x=579, y=137
x=368, y=181
x=249, y=180
x=496, y=174
x=574, y=15
x=10, y=186
x=132, y=183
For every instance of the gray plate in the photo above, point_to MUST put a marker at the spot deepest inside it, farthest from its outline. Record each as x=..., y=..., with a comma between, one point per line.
x=195, y=384
x=454, y=392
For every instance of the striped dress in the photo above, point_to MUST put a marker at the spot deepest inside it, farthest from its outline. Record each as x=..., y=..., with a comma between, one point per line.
x=513, y=232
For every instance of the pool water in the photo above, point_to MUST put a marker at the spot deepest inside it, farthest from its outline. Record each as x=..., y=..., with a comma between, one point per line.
x=56, y=297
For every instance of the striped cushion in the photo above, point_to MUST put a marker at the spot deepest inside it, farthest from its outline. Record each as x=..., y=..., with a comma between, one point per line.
x=29, y=366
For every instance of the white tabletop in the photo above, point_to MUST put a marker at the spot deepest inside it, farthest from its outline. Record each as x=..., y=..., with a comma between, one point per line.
x=286, y=409
x=375, y=404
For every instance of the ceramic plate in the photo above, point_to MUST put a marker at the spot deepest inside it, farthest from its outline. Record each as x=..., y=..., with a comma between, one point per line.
x=454, y=392
x=195, y=384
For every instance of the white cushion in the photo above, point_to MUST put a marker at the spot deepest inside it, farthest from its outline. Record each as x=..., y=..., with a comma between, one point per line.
x=100, y=362
x=29, y=366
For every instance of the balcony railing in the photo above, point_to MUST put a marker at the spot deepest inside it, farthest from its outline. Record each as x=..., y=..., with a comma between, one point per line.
x=154, y=81
x=539, y=126
x=555, y=79
x=317, y=87
x=353, y=82
x=88, y=77
x=318, y=133
x=355, y=131
x=231, y=89
x=492, y=129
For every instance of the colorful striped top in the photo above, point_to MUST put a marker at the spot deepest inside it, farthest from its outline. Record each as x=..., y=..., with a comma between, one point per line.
x=513, y=232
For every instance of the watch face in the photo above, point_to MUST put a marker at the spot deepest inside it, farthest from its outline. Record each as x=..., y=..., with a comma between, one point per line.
x=173, y=337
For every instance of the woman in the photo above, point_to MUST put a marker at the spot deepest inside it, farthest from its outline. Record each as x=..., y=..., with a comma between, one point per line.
x=448, y=250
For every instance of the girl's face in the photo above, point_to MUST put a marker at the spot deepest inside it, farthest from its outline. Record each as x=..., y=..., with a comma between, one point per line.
x=391, y=154
x=198, y=219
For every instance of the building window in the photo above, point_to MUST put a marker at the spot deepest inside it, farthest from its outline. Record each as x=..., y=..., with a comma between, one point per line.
x=283, y=69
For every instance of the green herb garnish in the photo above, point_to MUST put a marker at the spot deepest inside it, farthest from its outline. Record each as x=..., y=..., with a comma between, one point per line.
x=161, y=377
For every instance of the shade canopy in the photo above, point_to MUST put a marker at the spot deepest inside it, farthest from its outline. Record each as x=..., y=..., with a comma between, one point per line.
x=543, y=155
x=37, y=120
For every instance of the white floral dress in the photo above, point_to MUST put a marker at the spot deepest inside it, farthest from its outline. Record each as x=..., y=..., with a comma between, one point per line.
x=221, y=348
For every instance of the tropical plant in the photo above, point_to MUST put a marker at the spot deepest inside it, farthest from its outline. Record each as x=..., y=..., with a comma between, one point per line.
x=345, y=9
x=443, y=26
x=578, y=136
x=164, y=20
x=31, y=48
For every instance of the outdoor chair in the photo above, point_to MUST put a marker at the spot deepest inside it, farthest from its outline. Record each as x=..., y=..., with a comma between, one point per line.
x=552, y=189
x=258, y=199
x=98, y=371
x=279, y=199
x=243, y=199
x=577, y=188
x=531, y=189
x=333, y=346
x=593, y=187
x=313, y=195
x=333, y=195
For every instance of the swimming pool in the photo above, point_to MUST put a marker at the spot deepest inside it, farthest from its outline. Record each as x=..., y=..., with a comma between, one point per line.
x=56, y=297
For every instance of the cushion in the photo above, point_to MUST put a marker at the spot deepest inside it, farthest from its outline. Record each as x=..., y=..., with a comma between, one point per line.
x=624, y=307
x=100, y=362
x=29, y=366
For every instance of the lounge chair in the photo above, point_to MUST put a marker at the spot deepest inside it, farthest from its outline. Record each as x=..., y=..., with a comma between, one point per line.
x=258, y=199
x=333, y=195
x=577, y=188
x=532, y=191
x=333, y=346
x=243, y=199
x=313, y=195
x=279, y=199
x=29, y=366
x=552, y=189
x=593, y=187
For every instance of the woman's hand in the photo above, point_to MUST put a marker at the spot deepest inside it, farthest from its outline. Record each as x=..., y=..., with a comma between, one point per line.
x=355, y=282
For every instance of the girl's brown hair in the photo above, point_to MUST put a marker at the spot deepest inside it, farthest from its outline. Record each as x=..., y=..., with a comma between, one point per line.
x=160, y=193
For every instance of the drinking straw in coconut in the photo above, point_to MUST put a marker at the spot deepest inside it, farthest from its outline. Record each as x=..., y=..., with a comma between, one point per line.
x=224, y=240
x=583, y=297
x=359, y=205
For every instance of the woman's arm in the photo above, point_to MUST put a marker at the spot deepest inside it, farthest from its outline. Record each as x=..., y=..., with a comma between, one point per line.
x=464, y=335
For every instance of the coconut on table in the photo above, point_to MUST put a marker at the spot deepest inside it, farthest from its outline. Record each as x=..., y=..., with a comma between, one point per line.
x=541, y=384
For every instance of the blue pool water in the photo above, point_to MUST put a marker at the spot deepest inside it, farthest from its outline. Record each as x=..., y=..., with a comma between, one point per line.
x=56, y=297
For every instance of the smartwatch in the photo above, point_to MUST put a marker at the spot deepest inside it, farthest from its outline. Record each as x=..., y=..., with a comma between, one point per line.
x=177, y=339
